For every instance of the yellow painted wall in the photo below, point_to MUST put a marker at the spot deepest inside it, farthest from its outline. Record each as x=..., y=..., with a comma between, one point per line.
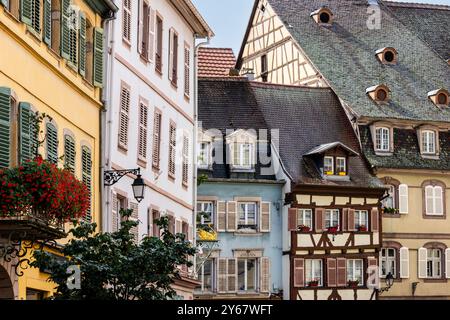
x=413, y=222
x=39, y=76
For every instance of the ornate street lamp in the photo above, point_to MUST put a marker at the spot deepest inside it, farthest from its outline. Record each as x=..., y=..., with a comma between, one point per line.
x=389, y=282
x=111, y=177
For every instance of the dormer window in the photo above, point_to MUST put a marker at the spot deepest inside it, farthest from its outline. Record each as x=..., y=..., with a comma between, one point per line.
x=428, y=142
x=387, y=55
x=380, y=94
x=341, y=166
x=382, y=139
x=204, y=155
x=334, y=166
x=440, y=98
x=323, y=16
x=242, y=150
x=328, y=166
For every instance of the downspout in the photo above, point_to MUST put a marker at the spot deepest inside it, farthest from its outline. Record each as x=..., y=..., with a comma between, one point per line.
x=105, y=148
x=194, y=154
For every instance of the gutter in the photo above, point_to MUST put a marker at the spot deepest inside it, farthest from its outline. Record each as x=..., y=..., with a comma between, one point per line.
x=194, y=152
x=105, y=123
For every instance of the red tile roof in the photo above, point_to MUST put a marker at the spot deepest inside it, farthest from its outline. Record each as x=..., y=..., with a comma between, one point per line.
x=215, y=62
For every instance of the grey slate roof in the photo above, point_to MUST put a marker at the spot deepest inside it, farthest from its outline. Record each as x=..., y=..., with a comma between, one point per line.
x=328, y=146
x=406, y=151
x=430, y=22
x=345, y=54
x=305, y=117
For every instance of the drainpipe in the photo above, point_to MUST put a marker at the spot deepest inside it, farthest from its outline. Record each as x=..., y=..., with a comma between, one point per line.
x=194, y=156
x=105, y=149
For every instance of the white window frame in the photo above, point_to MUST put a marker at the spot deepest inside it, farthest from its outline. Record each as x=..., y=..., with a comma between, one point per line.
x=202, y=205
x=240, y=162
x=202, y=275
x=358, y=218
x=436, y=263
x=247, y=204
x=332, y=165
x=330, y=215
x=382, y=139
x=351, y=269
x=337, y=165
x=205, y=154
x=246, y=261
x=434, y=200
x=428, y=141
x=301, y=217
x=310, y=266
x=384, y=257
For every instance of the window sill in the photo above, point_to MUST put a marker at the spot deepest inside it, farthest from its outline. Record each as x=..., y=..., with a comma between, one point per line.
x=430, y=156
x=171, y=177
x=434, y=216
x=126, y=43
x=392, y=215
x=11, y=16
x=383, y=153
x=207, y=168
x=187, y=98
x=174, y=85
x=142, y=163
x=245, y=170
x=88, y=84
x=36, y=36
x=122, y=149
x=435, y=280
x=251, y=234
x=337, y=178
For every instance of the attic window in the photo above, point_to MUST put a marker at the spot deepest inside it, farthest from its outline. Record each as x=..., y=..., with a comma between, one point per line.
x=323, y=16
x=379, y=94
x=387, y=55
x=440, y=97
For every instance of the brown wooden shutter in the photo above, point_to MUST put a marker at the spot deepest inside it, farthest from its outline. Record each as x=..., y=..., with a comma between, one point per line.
x=221, y=224
x=332, y=272
x=142, y=138
x=134, y=217
x=172, y=149
x=344, y=219
x=124, y=116
x=231, y=216
x=372, y=262
x=187, y=70
x=150, y=222
x=140, y=29
x=351, y=220
x=151, y=36
x=175, y=60
x=232, y=275
x=156, y=139
x=185, y=167
x=341, y=272
x=126, y=20
x=114, y=212
x=292, y=219
x=265, y=217
x=319, y=219
x=170, y=75
x=158, y=53
x=265, y=275
x=299, y=272
x=222, y=275
x=375, y=219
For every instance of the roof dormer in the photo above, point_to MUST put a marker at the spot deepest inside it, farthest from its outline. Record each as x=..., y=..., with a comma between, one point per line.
x=323, y=16
x=440, y=97
x=387, y=55
x=379, y=93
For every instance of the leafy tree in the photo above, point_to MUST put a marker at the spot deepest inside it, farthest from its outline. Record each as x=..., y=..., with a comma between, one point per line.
x=114, y=267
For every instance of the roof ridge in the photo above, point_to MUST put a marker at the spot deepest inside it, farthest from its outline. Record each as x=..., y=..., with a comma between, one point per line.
x=433, y=6
x=293, y=86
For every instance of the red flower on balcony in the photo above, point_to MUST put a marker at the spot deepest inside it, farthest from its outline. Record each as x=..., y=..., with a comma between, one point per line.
x=38, y=186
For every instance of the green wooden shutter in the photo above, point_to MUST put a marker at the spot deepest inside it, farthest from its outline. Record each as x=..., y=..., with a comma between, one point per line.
x=52, y=143
x=5, y=127
x=82, y=46
x=48, y=22
x=26, y=11
x=98, y=57
x=69, y=153
x=25, y=132
x=65, y=29
x=86, y=163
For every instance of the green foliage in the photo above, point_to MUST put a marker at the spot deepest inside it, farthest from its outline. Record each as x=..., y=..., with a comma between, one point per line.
x=114, y=267
x=201, y=179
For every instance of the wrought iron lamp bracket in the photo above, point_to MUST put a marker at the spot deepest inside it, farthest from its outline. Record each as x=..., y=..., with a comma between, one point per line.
x=111, y=177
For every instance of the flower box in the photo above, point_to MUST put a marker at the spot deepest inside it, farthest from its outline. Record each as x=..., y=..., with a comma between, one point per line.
x=329, y=173
x=333, y=230
x=313, y=283
x=303, y=228
x=388, y=210
x=362, y=229
x=342, y=173
x=353, y=284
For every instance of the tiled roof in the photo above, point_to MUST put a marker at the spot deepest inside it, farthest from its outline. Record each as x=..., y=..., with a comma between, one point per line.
x=215, y=62
x=345, y=54
x=430, y=22
x=304, y=117
x=406, y=151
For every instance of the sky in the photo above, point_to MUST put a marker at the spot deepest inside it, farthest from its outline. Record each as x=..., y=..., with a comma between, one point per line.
x=229, y=19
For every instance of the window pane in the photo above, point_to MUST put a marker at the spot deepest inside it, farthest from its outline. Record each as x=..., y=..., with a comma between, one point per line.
x=328, y=165
x=251, y=275
x=207, y=275
x=241, y=275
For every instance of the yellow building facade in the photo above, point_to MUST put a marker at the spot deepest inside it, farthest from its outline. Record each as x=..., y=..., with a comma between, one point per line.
x=51, y=60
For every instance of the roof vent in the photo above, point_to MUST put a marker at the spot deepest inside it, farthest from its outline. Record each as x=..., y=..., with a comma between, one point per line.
x=387, y=55
x=323, y=16
x=440, y=97
x=380, y=93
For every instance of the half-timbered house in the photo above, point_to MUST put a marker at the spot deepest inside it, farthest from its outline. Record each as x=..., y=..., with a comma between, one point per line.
x=387, y=62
